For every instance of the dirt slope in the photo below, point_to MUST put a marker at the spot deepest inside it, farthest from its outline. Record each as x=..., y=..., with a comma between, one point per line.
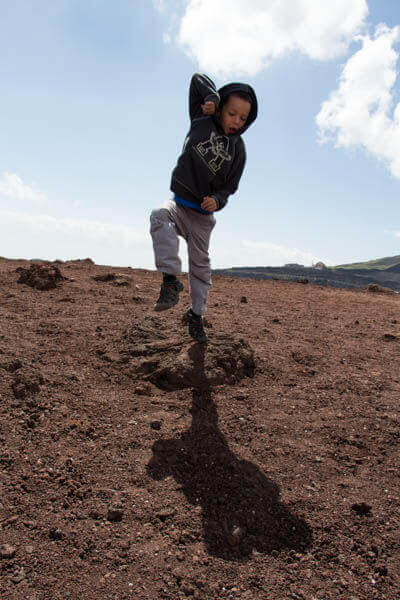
x=275, y=477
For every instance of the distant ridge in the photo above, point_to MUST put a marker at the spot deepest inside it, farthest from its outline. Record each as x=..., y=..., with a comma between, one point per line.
x=381, y=271
x=379, y=263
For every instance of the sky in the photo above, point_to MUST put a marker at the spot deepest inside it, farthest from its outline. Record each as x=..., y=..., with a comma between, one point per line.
x=93, y=115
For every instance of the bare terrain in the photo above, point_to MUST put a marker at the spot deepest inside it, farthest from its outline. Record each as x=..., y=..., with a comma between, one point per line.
x=135, y=463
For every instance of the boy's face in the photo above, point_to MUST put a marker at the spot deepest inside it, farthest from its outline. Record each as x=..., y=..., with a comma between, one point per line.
x=234, y=114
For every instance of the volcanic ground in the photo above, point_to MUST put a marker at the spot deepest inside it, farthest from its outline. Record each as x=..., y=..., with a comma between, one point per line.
x=136, y=463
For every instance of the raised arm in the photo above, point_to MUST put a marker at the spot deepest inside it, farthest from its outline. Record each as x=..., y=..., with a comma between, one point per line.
x=202, y=89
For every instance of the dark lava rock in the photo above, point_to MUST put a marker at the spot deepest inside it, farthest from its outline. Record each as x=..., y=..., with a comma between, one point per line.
x=381, y=570
x=56, y=534
x=7, y=551
x=115, y=514
x=41, y=277
x=26, y=382
x=243, y=299
x=165, y=513
x=362, y=508
x=155, y=425
x=105, y=277
x=389, y=337
x=374, y=288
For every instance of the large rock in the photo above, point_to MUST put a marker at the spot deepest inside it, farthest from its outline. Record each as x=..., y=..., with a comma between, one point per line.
x=41, y=277
x=170, y=359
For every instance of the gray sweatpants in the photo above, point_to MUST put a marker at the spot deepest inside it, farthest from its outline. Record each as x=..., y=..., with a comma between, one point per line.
x=171, y=221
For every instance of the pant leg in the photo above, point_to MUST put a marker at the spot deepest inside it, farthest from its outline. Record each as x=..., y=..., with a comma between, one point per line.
x=198, y=242
x=164, y=232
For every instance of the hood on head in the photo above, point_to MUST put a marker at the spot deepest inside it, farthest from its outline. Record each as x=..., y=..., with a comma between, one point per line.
x=230, y=88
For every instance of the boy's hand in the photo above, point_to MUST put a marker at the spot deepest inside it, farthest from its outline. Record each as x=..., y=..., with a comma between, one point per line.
x=209, y=203
x=208, y=108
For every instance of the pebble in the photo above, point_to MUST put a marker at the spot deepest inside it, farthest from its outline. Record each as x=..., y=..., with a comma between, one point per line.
x=155, y=425
x=115, y=514
x=56, y=534
x=362, y=508
x=7, y=551
x=236, y=536
x=19, y=575
x=165, y=513
x=10, y=521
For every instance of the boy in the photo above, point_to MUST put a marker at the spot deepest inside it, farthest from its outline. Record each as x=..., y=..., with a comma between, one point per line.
x=207, y=172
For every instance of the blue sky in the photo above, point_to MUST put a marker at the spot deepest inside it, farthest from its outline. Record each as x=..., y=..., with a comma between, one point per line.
x=93, y=114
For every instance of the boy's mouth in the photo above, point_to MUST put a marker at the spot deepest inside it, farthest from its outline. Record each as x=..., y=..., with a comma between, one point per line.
x=232, y=130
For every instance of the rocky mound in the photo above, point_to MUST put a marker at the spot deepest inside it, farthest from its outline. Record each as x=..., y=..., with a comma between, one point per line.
x=151, y=350
x=41, y=277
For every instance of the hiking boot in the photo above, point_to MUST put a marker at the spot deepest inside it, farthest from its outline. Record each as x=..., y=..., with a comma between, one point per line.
x=169, y=295
x=196, y=327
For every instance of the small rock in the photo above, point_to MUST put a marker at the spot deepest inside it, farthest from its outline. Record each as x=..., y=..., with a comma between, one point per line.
x=56, y=534
x=143, y=389
x=389, y=337
x=29, y=549
x=10, y=520
x=7, y=551
x=236, y=535
x=19, y=575
x=115, y=514
x=381, y=570
x=188, y=589
x=362, y=508
x=104, y=277
x=165, y=513
x=95, y=515
x=121, y=282
x=155, y=425
x=30, y=524
x=111, y=357
x=243, y=299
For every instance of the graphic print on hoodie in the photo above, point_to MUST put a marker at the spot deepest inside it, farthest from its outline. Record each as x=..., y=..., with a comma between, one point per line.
x=212, y=162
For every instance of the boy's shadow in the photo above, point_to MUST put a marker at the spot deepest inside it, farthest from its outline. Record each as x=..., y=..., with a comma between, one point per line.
x=241, y=509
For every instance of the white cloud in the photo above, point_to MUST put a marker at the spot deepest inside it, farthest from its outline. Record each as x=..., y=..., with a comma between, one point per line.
x=361, y=111
x=244, y=36
x=92, y=230
x=12, y=186
x=159, y=5
x=258, y=254
x=270, y=254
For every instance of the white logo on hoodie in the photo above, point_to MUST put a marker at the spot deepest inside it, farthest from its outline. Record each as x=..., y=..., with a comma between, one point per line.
x=214, y=151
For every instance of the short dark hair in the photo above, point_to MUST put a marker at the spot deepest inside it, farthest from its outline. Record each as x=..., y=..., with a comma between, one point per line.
x=239, y=94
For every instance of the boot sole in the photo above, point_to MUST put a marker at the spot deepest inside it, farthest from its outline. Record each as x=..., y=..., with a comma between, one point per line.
x=161, y=307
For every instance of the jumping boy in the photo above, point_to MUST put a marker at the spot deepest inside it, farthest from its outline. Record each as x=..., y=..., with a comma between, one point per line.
x=207, y=172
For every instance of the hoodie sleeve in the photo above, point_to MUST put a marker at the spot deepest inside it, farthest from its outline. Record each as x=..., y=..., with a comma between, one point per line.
x=231, y=184
x=202, y=89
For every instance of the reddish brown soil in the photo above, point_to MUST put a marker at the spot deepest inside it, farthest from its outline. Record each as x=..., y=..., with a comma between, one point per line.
x=121, y=479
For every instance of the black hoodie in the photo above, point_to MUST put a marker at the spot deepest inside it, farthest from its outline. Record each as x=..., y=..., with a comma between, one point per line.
x=212, y=162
